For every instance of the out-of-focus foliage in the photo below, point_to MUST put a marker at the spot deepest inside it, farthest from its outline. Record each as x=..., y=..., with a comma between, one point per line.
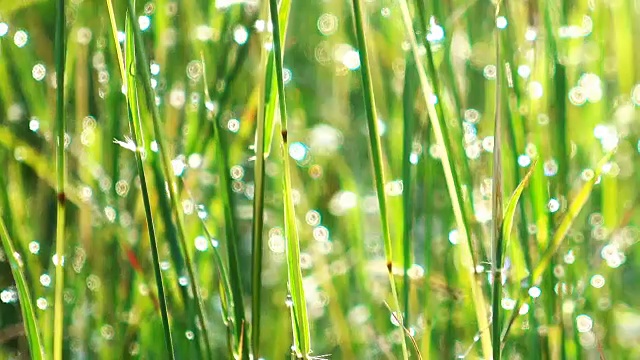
x=570, y=95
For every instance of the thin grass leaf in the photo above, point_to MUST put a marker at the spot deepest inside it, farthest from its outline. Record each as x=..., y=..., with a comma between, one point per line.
x=451, y=180
x=578, y=203
x=24, y=294
x=376, y=151
x=416, y=348
x=230, y=227
x=408, y=104
x=271, y=91
x=496, y=194
x=143, y=66
x=116, y=43
x=299, y=307
x=135, y=126
x=507, y=225
x=225, y=288
x=61, y=169
x=258, y=207
x=560, y=233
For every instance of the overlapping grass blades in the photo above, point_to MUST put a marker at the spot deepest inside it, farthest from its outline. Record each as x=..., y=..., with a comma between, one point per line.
x=453, y=186
x=264, y=137
x=135, y=126
x=144, y=71
x=230, y=231
x=579, y=201
x=376, y=152
x=300, y=320
x=24, y=293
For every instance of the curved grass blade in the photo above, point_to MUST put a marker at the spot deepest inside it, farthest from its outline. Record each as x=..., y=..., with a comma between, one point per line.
x=300, y=318
x=376, y=151
x=507, y=224
x=561, y=231
x=452, y=182
x=145, y=72
x=567, y=221
x=61, y=169
x=135, y=127
x=24, y=294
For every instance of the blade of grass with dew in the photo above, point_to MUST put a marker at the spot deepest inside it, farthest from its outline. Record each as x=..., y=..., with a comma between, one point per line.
x=376, y=151
x=226, y=291
x=463, y=174
x=408, y=103
x=205, y=135
x=299, y=309
x=567, y=221
x=225, y=288
x=164, y=205
x=521, y=258
x=232, y=251
x=61, y=169
x=136, y=131
x=517, y=254
x=560, y=233
x=258, y=209
x=143, y=67
x=452, y=186
x=428, y=189
x=496, y=195
x=271, y=91
x=24, y=293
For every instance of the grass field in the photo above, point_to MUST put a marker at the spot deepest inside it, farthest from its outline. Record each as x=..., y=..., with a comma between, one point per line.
x=336, y=179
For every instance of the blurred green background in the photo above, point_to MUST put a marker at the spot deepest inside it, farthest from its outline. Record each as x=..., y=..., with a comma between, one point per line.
x=570, y=86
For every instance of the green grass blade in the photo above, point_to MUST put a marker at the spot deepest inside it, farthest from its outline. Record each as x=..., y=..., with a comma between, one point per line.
x=461, y=176
x=496, y=194
x=376, y=151
x=61, y=169
x=567, y=221
x=507, y=225
x=560, y=233
x=225, y=288
x=145, y=72
x=300, y=316
x=24, y=294
x=409, y=120
x=452, y=184
x=258, y=209
x=116, y=43
x=135, y=127
x=271, y=92
x=230, y=229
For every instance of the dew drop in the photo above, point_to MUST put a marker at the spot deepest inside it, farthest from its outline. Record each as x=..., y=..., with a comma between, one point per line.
x=535, y=292
x=201, y=243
